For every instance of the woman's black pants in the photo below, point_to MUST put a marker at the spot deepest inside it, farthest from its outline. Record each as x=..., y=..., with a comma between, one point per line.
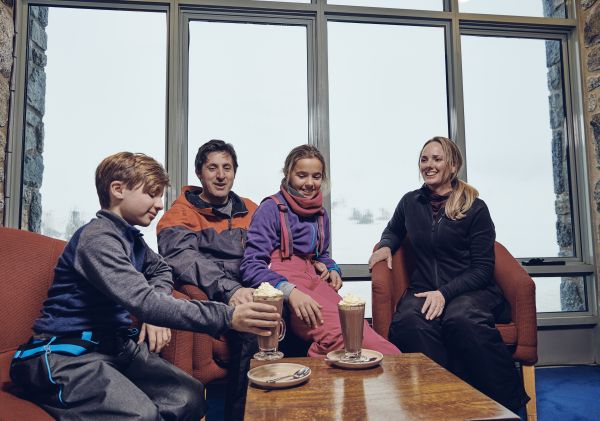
x=464, y=340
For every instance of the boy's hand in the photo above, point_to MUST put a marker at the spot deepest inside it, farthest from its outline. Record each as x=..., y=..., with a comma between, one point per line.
x=321, y=270
x=255, y=318
x=158, y=337
x=335, y=280
x=241, y=296
x=306, y=308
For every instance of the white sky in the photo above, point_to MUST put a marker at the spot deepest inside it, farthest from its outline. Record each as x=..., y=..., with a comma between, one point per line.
x=106, y=92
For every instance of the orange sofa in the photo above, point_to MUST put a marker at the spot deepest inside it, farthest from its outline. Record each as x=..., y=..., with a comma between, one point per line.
x=26, y=272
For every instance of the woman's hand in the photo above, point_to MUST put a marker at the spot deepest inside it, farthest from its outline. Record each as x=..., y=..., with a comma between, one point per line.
x=335, y=280
x=434, y=304
x=321, y=270
x=306, y=308
x=158, y=337
x=384, y=253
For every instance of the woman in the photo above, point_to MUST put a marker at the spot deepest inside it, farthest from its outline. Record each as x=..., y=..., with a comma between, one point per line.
x=451, y=307
x=287, y=244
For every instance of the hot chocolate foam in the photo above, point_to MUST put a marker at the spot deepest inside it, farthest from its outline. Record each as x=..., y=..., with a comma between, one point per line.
x=351, y=300
x=266, y=290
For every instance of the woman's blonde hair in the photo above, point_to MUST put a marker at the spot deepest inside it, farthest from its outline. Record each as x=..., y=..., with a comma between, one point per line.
x=463, y=195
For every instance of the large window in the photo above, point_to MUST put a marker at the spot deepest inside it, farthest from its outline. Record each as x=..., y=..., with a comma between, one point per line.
x=367, y=81
x=88, y=96
x=248, y=86
x=381, y=112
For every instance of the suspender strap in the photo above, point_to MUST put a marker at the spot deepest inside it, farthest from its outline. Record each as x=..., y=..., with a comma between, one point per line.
x=321, y=243
x=286, y=248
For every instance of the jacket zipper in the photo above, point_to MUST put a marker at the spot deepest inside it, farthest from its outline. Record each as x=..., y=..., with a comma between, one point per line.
x=434, y=226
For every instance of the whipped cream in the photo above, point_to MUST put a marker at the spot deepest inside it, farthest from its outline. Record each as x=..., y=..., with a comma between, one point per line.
x=351, y=300
x=266, y=290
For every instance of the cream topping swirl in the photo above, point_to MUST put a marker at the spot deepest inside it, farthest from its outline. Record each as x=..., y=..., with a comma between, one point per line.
x=266, y=290
x=351, y=300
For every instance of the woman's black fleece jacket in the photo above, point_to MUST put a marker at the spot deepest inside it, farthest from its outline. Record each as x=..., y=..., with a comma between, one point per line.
x=453, y=257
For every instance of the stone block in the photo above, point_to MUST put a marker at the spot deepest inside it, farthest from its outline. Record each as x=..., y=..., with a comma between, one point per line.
x=558, y=167
x=592, y=102
x=37, y=56
x=40, y=13
x=37, y=34
x=552, y=53
x=593, y=82
x=35, y=212
x=595, y=124
x=36, y=90
x=593, y=60
x=7, y=31
x=557, y=112
x=591, y=29
x=33, y=170
x=597, y=195
x=572, y=297
x=564, y=232
x=4, y=100
x=32, y=116
x=554, y=77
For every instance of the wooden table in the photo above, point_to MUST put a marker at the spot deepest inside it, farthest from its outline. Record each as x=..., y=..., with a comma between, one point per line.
x=403, y=387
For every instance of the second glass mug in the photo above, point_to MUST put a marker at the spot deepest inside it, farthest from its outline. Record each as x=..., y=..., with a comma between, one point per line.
x=267, y=345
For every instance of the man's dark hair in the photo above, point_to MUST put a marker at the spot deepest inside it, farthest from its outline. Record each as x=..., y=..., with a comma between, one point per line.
x=214, y=145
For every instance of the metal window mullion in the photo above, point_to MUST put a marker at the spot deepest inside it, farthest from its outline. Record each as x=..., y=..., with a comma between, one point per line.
x=177, y=84
x=322, y=140
x=455, y=92
x=575, y=182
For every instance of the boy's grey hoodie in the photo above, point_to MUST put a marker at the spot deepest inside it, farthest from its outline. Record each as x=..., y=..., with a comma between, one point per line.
x=107, y=272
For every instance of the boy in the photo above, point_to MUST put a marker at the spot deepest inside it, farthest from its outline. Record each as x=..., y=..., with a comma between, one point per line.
x=81, y=362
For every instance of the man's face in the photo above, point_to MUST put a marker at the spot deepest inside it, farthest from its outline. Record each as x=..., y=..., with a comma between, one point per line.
x=216, y=176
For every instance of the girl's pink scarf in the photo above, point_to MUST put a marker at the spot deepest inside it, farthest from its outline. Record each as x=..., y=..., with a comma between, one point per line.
x=303, y=206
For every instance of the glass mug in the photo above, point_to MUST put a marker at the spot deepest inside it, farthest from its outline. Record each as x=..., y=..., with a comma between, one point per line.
x=267, y=345
x=352, y=318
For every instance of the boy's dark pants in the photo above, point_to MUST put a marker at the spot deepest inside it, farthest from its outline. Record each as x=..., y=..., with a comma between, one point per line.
x=464, y=339
x=131, y=383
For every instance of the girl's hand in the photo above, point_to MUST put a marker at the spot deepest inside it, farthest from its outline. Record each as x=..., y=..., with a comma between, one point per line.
x=321, y=270
x=335, y=280
x=158, y=337
x=305, y=308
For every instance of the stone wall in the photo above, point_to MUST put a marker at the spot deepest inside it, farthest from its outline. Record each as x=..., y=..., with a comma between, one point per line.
x=33, y=164
x=6, y=62
x=589, y=21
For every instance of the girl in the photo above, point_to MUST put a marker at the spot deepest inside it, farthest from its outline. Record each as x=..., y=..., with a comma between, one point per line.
x=287, y=244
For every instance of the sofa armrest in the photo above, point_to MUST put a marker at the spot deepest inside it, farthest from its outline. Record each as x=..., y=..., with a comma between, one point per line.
x=519, y=290
x=209, y=356
x=179, y=351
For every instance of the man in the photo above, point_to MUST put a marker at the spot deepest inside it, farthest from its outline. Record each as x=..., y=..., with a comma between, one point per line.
x=202, y=237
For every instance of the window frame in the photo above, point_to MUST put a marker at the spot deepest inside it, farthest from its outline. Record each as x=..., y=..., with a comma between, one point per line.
x=315, y=16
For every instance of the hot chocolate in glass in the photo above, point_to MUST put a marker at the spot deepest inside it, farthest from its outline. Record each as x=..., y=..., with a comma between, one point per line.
x=267, y=345
x=352, y=317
